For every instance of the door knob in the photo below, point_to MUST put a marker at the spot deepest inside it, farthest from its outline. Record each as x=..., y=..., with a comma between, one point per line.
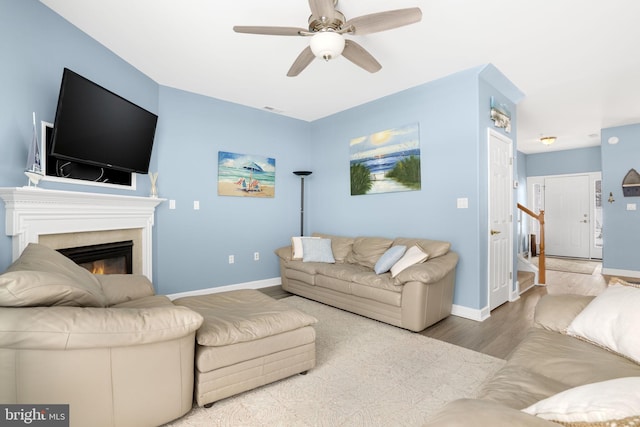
x=493, y=232
x=584, y=220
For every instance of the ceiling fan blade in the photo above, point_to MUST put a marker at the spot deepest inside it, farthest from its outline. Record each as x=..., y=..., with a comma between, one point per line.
x=270, y=31
x=301, y=62
x=359, y=56
x=320, y=8
x=382, y=21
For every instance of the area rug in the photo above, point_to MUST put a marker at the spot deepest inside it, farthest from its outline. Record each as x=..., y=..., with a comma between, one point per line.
x=367, y=374
x=569, y=265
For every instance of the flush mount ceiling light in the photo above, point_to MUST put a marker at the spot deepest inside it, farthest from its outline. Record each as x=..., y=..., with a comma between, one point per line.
x=327, y=45
x=548, y=140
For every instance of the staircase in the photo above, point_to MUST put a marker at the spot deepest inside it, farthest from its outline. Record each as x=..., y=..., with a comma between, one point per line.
x=529, y=274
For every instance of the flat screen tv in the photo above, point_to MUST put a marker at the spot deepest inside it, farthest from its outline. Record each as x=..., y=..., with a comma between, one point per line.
x=95, y=126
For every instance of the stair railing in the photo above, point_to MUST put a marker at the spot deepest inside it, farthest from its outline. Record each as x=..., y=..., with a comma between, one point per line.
x=542, y=276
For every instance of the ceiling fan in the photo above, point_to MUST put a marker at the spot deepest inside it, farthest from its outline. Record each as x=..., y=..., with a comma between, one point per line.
x=327, y=25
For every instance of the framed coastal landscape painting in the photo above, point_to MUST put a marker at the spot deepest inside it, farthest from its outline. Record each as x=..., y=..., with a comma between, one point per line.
x=246, y=175
x=386, y=161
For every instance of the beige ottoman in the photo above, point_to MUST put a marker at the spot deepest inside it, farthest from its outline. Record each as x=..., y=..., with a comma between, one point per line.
x=247, y=340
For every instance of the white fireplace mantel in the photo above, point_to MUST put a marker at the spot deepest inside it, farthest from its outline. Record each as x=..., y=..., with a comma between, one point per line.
x=31, y=212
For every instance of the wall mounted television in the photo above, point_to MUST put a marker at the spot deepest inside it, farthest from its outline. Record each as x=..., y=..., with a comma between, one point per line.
x=97, y=127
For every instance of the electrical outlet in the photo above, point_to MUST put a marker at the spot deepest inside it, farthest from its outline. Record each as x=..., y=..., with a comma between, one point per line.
x=196, y=205
x=172, y=204
x=232, y=259
x=256, y=256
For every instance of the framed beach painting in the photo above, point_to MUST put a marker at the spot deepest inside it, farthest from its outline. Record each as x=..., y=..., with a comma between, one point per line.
x=386, y=161
x=246, y=175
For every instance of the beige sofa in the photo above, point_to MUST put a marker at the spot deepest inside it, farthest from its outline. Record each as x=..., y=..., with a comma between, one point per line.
x=106, y=345
x=414, y=299
x=569, y=380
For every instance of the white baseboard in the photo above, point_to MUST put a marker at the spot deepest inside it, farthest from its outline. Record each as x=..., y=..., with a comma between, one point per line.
x=616, y=272
x=258, y=284
x=478, y=315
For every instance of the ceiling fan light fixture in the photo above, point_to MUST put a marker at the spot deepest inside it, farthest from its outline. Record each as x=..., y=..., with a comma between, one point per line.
x=548, y=140
x=327, y=45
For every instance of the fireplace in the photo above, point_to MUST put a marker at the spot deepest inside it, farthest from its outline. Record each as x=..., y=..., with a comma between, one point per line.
x=63, y=219
x=104, y=258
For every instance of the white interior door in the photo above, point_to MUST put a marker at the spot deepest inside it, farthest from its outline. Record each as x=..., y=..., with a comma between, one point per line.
x=500, y=219
x=567, y=216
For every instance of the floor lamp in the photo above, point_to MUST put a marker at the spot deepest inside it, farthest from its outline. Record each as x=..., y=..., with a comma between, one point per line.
x=302, y=174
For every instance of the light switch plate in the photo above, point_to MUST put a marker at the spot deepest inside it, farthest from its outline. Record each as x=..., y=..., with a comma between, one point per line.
x=631, y=206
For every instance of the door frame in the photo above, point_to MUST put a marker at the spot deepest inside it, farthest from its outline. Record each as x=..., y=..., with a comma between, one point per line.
x=492, y=133
x=594, y=253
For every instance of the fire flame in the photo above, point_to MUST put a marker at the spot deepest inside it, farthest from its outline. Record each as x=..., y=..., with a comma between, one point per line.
x=98, y=267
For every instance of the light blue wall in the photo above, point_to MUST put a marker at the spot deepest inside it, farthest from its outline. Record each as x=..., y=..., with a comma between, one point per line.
x=580, y=160
x=621, y=227
x=453, y=157
x=35, y=45
x=193, y=247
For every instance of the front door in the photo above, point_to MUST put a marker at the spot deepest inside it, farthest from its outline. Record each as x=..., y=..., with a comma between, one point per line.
x=567, y=219
x=500, y=219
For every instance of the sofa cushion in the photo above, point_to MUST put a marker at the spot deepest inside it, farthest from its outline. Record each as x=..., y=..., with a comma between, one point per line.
x=317, y=250
x=389, y=258
x=433, y=248
x=39, y=288
x=556, y=312
x=611, y=321
x=476, y=412
x=368, y=250
x=414, y=255
x=118, y=288
x=546, y=363
x=610, y=401
x=340, y=246
x=40, y=258
x=241, y=316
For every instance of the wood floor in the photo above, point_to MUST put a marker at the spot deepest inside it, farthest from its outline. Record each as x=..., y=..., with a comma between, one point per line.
x=508, y=324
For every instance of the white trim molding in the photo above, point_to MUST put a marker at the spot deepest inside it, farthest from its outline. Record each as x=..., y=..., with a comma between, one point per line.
x=31, y=212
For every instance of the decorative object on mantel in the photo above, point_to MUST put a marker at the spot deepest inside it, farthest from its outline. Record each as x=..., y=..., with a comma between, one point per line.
x=302, y=174
x=631, y=184
x=34, y=166
x=153, y=177
x=386, y=161
x=501, y=116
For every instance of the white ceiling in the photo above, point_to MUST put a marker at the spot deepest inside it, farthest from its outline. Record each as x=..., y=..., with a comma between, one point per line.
x=576, y=61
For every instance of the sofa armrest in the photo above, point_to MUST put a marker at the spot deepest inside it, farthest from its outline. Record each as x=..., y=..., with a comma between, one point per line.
x=475, y=412
x=430, y=271
x=284, y=253
x=556, y=312
x=118, y=288
x=67, y=328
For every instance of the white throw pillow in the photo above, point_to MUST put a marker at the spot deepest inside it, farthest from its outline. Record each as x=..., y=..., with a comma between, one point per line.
x=610, y=400
x=413, y=255
x=611, y=320
x=296, y=247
